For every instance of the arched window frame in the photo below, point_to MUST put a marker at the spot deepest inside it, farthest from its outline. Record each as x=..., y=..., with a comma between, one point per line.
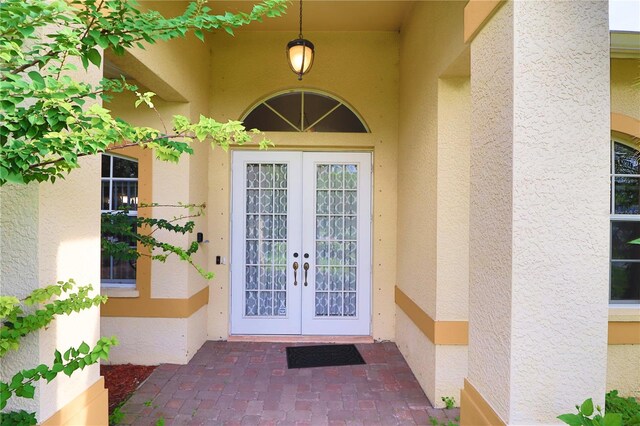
x=620, y=217
x=303, y=129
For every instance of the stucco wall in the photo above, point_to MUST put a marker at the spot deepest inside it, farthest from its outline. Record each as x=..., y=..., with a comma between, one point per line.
x=178, y=72
x=164, y=340
x=419, y=352
x=623, y=372
x=19, y=271
x=148, y=341
x=433, y=188
x=625, y=98
x=539, y=208
x=431, y=39
x=69, y=247
x=50, y=232
x=490, y=221
x=454, y=105
x=359, y=67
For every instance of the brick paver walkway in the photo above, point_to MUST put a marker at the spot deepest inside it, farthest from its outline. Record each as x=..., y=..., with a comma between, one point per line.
x=249, y=384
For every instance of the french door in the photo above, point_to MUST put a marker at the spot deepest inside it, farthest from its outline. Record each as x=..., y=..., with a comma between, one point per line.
x=301, y=243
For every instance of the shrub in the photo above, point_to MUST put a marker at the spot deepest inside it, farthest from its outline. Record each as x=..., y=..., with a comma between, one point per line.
x=628, y=408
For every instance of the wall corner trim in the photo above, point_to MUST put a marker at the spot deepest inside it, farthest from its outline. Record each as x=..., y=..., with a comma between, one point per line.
x=91, y=407
x=475, y=410
x=438, y=332
x=476, y=14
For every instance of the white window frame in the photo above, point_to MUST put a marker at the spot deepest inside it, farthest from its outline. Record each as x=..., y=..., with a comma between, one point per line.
x=116, y=283
x=619, y=218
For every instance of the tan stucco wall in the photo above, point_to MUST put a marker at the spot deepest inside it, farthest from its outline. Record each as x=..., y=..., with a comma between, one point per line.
x=625, y=98
x=454, y=108
x=359, y=67
x=152, y=341
x=433, y=189
x=426, y=52
x=623, y=373
x=178, y=72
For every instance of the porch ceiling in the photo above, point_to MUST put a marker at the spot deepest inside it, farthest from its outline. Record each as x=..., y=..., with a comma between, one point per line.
x=319, y=15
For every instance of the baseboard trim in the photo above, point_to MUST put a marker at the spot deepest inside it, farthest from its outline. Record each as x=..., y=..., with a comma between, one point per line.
x=475, y=410
x=91, y=407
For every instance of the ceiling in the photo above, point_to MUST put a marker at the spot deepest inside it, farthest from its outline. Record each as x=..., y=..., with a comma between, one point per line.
x=319, y=15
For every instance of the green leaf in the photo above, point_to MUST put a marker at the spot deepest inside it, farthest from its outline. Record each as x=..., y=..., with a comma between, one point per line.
x=16, y=380
x=26, y=31
x=586, y=409
x=94, y=56
x=36, y=78
x=28, y=391
x=199, y=34
x=15, y=178
x=49, y=376
x=613, y=419
x=571, y=419
x=84, y=348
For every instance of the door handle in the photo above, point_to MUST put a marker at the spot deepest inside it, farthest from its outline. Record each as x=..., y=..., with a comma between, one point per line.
x=295, y=273
x=306, y=269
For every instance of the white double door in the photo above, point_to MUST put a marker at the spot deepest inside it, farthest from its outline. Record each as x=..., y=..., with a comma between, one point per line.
x=301, y=243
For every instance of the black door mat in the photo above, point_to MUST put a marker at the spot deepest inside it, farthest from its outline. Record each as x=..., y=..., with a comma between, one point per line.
x=323, y=356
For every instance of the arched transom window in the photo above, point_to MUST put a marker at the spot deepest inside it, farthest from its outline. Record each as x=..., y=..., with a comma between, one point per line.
x=304, y=111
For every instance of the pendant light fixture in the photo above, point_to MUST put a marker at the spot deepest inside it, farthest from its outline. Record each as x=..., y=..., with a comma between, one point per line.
x=300, y=52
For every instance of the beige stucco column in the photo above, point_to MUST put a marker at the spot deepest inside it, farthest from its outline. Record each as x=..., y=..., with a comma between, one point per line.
x=49, y=233
x=538, y=213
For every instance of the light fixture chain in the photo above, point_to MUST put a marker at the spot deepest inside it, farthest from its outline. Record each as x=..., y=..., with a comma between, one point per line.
x=300, y=35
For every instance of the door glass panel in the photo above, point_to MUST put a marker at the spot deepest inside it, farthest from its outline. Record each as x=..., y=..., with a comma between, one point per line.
x=336, y=237
x=265, y=285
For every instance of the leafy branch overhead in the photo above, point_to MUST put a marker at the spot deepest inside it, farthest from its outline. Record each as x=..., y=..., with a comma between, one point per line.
x=46, y=122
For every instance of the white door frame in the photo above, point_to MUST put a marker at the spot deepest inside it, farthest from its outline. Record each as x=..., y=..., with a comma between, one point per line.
x=301, y=230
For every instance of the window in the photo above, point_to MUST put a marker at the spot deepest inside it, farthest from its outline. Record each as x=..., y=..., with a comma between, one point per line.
x=304, y=111
x=625, y=223
x=119, y=191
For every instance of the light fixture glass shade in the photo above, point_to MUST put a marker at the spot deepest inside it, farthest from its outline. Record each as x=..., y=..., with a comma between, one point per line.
x=300, y=55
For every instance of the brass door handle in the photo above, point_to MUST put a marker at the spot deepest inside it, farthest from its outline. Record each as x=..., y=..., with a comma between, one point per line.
x=306, y=269
x=295, y=273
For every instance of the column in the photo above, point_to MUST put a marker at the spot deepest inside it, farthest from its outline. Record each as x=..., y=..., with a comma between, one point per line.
x=539, y=242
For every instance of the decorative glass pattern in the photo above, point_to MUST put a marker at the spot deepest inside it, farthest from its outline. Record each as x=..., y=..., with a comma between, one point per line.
x=266, y=240
x=336, y=240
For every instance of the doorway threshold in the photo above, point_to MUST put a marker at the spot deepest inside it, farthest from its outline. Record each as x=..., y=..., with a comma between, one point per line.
x=300, y=339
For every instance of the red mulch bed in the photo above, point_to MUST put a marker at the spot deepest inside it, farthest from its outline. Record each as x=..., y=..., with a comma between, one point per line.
x=122, y=380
